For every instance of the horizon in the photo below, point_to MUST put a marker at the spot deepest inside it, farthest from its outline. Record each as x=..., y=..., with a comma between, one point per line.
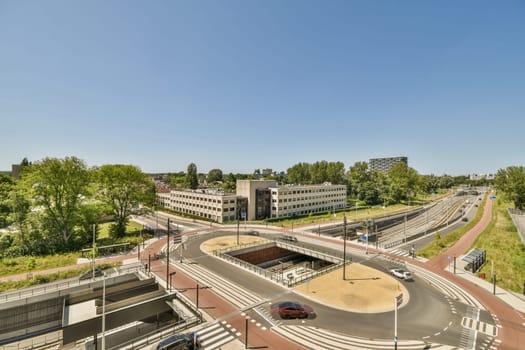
x=239, y=85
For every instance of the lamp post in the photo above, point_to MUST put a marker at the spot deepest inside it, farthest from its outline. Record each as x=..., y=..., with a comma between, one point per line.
x=344, y=247
x=237, y=228
x=168, y=253
x=396, y=301
x=93, y=253
x=104, y=312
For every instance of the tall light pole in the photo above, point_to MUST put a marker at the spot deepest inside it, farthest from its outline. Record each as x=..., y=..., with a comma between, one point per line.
x=168, y=254
x=344, y=247
x=104, y=312
x=93, y=253
x=237, y=228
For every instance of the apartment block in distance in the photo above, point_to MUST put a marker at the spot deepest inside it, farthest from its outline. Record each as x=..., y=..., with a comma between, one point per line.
x=384, y=164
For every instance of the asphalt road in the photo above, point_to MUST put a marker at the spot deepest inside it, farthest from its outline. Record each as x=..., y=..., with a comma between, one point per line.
x=428, y=315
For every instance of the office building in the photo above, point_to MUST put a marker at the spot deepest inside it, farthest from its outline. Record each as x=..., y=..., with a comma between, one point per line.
x=256, y=200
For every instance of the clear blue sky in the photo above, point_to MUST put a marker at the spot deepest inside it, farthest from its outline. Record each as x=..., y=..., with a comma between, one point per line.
x=240, y=85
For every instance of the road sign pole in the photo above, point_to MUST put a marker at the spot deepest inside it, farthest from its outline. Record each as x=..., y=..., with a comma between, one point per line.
x=395, y=323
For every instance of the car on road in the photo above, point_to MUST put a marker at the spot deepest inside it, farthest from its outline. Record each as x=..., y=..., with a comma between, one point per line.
x=402, y=274
x=292, y=309
x=186, y=341
x=288, y=238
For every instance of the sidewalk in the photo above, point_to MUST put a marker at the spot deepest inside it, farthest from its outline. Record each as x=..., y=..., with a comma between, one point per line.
x=512, y=299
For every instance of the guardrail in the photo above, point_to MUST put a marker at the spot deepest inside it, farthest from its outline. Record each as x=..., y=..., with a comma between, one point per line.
x=279, y=276
x=61, y=285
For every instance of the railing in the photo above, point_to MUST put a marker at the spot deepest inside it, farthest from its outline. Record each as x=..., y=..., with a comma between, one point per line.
x=158, y=334
x=45, y=341
x=279, y=276
x=60, y=285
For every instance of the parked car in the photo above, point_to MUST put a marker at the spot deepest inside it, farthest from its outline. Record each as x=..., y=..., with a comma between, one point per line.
x=402, y=274
x=186, y=341
x=464, y=219
x=289, y=238
x=292, y=309
x=89, y=274
x=253, y=233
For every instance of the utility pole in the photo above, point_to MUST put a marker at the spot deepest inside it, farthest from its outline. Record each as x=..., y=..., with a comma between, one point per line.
x=344, y=248
x=168, y=254
x=93, y=257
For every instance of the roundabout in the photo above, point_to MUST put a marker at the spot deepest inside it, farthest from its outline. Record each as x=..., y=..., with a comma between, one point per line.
x=362, y=290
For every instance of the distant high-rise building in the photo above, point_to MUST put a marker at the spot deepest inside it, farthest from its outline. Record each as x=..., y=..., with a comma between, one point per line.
x=384, y=164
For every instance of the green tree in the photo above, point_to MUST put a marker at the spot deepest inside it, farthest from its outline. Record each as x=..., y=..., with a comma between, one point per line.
x=299, y=174
x=230, y=184
x=7, y=185
x=511, y=181
x=214, y=175
x=335, y=172
x=123, y=188
x=57, y=187
x=404, y=182
x=357, y=176
x=192, y=180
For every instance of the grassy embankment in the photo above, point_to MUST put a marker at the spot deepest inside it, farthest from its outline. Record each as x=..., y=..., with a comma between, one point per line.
x=504, y=248
x=501, y=242
x=19, y=265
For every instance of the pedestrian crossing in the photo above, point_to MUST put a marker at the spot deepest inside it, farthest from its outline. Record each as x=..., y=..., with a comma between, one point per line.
x=229, y=291
x=446, y=287
x=314, y=338
x=482, y=327
x=216, y=335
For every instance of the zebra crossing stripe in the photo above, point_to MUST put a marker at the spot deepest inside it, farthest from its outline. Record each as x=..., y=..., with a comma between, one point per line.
x=447, y=287
x=314, y=338
x=236, y=295
x=214, y=336
x=480, y=326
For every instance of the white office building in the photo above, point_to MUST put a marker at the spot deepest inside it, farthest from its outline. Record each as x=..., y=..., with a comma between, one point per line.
x=209, y=204
x=295, y=200
x=256, y=200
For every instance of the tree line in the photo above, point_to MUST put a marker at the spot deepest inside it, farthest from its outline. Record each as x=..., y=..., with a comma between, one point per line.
x=400, y=184
x=56, y=202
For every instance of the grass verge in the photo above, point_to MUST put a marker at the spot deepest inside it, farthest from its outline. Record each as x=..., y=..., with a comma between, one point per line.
x=52, y=277
x=504, y=249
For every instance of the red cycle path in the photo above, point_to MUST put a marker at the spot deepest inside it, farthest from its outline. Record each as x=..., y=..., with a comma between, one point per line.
x=512, y=332
x=219, y=308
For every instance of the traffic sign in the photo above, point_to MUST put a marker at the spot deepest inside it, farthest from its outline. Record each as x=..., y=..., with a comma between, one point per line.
x=449, y=257
x=243, y=215
x=395, y=339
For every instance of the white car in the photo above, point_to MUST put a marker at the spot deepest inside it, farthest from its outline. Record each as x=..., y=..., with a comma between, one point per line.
x=402, y=274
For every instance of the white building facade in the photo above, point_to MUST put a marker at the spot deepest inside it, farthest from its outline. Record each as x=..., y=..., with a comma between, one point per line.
x=209, y=204
x=256, y=200
x=295, y=200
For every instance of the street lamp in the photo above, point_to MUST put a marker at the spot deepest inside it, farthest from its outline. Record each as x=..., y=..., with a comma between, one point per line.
x=344, y=248
x=398, y=299
x=93, y=253
x=104, y=312
x=168, y=253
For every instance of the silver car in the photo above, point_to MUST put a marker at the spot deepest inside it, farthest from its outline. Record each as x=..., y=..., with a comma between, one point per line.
x=402, y=274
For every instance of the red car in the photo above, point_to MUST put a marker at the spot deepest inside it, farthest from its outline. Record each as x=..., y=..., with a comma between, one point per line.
x=290, y=309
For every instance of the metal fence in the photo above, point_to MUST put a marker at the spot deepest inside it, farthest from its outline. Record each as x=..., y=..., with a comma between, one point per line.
x=518, y=218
